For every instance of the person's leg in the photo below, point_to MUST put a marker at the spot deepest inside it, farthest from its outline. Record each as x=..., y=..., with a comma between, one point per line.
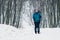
x=38, y=27
x=35, y=27
x=39, y=30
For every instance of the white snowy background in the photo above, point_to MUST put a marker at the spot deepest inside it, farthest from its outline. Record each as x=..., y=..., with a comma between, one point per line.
x=26, y=31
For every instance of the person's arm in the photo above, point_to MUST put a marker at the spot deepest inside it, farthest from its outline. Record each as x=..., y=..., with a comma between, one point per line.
x=33, y=17
x=40, y=17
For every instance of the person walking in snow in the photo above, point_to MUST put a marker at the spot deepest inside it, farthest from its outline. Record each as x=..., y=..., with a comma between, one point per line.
x=37, y=19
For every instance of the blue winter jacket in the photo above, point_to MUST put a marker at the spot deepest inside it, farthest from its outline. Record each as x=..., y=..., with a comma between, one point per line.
x=37, y=16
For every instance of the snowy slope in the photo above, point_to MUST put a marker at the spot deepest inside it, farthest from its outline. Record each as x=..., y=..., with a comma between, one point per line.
x=11, y=33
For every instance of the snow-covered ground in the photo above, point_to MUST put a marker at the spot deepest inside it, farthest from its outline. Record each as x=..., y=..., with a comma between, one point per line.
x=11, y=33
x=8, y=32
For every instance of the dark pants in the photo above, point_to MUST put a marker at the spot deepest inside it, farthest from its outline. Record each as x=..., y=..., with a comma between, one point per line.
x=37, y=28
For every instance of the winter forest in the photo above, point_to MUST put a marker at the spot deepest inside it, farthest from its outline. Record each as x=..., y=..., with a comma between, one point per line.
x=16, y=12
